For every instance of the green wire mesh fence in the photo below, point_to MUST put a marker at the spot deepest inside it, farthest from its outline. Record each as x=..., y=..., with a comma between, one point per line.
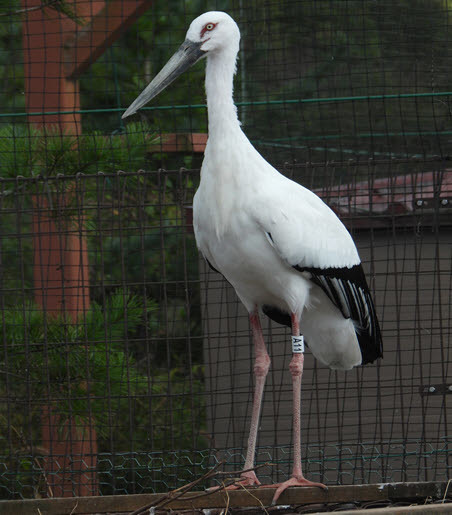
x=126, y=363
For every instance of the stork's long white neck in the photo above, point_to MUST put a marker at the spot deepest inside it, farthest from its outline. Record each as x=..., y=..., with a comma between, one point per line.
x=222, y=112
x=221, y=175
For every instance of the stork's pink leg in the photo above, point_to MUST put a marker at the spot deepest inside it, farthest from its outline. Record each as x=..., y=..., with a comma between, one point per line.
x=296, y=370
x=261, y=366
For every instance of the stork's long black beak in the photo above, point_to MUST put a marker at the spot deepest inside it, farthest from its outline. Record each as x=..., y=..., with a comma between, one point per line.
x=188, y=54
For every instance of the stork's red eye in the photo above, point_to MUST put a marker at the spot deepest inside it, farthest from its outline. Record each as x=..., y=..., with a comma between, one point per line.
x=207, y=28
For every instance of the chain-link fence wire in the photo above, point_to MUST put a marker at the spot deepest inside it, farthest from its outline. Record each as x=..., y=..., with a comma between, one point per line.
x=126, y=363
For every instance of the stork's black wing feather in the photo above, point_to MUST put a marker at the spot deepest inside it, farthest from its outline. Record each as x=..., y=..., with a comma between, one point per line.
x=348, y=290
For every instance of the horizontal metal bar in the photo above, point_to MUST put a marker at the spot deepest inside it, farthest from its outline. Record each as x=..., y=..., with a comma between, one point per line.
x=317, y=100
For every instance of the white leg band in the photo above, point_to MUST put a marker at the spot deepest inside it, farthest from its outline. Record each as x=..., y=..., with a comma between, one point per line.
x=298, y=344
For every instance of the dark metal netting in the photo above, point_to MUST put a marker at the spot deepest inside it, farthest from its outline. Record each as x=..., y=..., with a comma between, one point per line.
x=159, y=365
x=126, y=364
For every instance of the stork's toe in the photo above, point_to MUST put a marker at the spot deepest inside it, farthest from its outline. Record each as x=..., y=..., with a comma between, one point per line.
x=246, y=479
x=293, y=481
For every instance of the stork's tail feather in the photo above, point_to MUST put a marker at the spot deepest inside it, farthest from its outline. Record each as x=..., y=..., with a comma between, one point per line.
x=347, y=289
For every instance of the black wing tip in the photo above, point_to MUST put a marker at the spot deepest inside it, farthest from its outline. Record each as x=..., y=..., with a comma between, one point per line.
x=370, y=361
x=368, y=329
x=370, y=357
x=371, y=346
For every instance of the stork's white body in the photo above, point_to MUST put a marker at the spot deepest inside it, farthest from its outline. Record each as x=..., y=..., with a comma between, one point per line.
x=282, y=249
x=240, y=200
x=238, y=203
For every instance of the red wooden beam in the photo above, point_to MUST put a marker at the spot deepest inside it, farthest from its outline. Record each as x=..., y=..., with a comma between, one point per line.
x=60, y=259
x=46, y=86
x=56, y=51
x=104, y=29
x=60, y=264
x=186, y=142
x=60, y=267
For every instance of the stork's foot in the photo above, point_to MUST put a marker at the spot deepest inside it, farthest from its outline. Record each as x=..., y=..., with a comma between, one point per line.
x=246, y=480
x=293, y=481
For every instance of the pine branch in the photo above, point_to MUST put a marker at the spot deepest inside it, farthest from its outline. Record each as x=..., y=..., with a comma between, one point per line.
x=58, y=5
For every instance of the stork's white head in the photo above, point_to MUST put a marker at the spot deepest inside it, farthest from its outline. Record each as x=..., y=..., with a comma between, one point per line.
x=211, y=33
x=216, y=31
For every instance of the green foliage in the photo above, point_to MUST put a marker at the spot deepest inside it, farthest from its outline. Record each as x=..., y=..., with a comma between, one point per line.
x=128, y=364
x=11, y=58
x=29, y=151
x=74, y=364
x=18, y=150
x=110, y=362
x=87, y=372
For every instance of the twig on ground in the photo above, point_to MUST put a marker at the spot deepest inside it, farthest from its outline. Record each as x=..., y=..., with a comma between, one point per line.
x=445, y=492
x=231, y=482
x=254, y=497
x=170, y=496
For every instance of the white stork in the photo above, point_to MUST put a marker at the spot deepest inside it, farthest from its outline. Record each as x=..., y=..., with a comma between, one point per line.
x=279, y=245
